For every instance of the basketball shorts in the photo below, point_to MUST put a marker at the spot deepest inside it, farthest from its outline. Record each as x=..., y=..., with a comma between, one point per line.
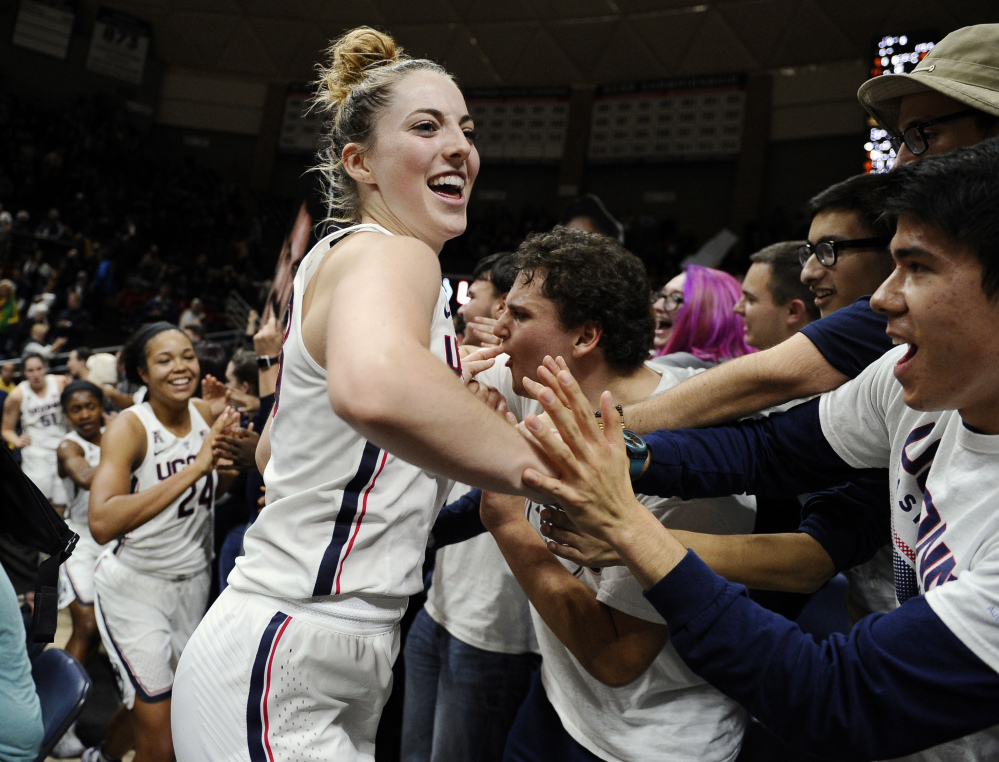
x=39, y=464
x=76, y=575
x=145, y=623
x=271, y=680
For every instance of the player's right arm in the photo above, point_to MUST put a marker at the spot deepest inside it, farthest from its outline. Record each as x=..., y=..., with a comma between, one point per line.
x=72, y=462
x=114, y=509
x=386, y=384
x=794, y=369
x=11, y=415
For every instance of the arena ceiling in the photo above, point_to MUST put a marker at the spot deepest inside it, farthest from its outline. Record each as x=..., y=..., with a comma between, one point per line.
x=541, y=42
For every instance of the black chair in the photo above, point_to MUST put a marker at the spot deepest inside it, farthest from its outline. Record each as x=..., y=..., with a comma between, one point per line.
x=63, y=686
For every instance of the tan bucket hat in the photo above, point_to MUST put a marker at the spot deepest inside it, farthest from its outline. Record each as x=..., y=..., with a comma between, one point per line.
x=964, y=66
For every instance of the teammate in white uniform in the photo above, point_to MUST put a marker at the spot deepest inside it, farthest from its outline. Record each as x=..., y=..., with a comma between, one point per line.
x=295, y=658
x=78, y=455
x=154, y=493
x=35, y=404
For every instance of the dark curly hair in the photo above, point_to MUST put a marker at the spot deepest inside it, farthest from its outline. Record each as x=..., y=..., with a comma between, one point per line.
x=592, y=278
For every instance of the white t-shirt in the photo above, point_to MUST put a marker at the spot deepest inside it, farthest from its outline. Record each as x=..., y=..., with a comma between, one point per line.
x=667, y=713
x=944, y=481
x=476, y=598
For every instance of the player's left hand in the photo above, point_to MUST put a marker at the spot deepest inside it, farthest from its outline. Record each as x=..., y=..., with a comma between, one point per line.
x=205, y=459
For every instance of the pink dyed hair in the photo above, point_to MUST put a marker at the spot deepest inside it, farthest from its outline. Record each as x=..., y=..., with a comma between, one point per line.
x=705, y=326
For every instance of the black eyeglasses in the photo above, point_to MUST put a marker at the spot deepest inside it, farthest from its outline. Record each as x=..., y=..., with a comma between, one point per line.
x=673, y=301
x=914, y=137
x=827, y=251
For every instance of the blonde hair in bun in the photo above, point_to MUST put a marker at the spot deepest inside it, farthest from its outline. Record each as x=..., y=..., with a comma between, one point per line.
x=354, y=87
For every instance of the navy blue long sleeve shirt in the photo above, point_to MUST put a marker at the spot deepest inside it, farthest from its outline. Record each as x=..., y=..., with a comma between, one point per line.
x=898, y=683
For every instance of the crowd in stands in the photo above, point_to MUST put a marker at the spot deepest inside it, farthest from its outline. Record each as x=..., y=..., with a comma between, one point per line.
x=88, y=206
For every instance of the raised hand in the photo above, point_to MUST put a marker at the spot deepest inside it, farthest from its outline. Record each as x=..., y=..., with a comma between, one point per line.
x=475, y=362
x=215, y=393
x=482, y=327
x=236, y=448
x=267, y=341
x=594, y=487
x=226, y=420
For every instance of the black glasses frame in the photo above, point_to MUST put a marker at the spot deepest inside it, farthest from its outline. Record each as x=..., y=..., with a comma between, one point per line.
x=914, y=137
x=826, y=252
x=673, y=301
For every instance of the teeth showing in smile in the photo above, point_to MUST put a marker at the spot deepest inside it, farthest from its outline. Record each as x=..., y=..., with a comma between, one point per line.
x=822, y=293
x=448, y=183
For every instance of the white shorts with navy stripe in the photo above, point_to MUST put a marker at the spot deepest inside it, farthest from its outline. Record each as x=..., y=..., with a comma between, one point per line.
x=269, y=680
x=145, y=623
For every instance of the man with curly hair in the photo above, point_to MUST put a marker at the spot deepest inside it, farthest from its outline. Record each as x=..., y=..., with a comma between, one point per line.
x=610, y=683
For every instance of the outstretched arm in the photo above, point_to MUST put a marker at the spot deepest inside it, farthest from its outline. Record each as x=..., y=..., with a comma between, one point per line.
x=794, y=369
x=833, y=697
x=900, y=682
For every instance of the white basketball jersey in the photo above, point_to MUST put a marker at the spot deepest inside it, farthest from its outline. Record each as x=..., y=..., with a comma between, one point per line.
x=78, y=498
x=177, y=542
x=343, y=516
x=41, y=414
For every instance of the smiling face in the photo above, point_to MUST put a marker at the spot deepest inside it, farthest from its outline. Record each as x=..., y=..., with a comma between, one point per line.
x=529, y=329
x=416, y=178
x=664, y=310
x=84, y=413
x=857, y=272
x=171, y=371
x=935, y=304
x=766, y=322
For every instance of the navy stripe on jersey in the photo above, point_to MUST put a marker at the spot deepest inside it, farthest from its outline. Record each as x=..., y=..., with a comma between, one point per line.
x=345, y=519
x=255, y=710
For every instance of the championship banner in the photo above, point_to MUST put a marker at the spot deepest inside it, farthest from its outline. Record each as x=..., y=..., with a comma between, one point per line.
x=45, y=26
x=520, y=125
x=119, y=45
x=691, y=118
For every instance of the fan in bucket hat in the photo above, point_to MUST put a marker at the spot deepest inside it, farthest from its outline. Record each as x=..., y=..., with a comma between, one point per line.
x=964, y=66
